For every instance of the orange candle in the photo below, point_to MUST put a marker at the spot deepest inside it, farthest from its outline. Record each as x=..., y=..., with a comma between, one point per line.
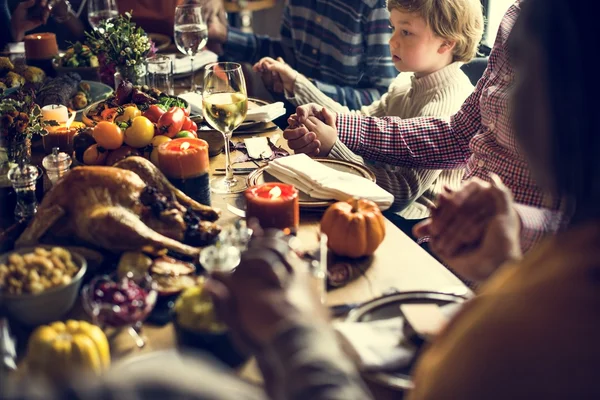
x=183, y=158
x=61, y=137
x=40, y=46
x=274, y=205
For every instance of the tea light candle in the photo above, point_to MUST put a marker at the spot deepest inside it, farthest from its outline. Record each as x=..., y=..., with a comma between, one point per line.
x=54, y=112
x=274, y=205
x=183, y=158
x=40, y=46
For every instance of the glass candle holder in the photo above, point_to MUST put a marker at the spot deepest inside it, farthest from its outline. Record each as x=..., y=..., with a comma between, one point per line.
x=24, y=179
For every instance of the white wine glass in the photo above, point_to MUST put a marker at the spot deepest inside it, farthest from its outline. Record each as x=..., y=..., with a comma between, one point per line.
x=100, y=10
x=225, y=104
x=191, y=33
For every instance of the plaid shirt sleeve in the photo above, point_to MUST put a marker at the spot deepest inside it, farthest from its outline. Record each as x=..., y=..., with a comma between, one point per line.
x=248, y=47
x=426, y=142
x=536, y=223
x=378, y=68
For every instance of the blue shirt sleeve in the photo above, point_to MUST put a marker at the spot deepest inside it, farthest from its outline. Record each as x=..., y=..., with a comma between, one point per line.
x=378, y=69
x=5, y=34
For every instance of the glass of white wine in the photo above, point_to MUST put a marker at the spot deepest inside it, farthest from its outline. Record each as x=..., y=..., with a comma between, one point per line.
x=100, y=10
x=225, y=104
x=191, y=33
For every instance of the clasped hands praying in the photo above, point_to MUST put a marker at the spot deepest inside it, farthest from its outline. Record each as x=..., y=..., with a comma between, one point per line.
x=473, y=230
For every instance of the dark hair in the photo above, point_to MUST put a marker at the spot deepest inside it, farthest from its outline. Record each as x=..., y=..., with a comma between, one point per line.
x=564, y=29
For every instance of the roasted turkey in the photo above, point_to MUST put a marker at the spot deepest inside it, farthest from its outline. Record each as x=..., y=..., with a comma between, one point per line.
x=128, y=207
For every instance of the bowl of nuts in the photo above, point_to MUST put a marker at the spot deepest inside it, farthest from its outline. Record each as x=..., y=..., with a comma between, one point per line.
x=41, y=284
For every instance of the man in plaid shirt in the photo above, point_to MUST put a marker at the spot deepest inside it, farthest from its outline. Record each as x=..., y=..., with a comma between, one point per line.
x=480, y=135
x=341, y=45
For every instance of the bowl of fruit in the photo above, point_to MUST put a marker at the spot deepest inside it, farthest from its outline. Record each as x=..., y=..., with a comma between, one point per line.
x=120, y=303
x=198, y=328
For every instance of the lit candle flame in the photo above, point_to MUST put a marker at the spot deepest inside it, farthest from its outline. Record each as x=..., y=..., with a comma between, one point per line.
x=275, y=192
x=70, y=120
x=39, y=37
x=184, y=146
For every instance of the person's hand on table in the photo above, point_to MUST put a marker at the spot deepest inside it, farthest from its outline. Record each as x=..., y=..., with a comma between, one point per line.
x=311, y=130
x=21, y=22
x=284, y=76
x=267, y=293
x=474, y=230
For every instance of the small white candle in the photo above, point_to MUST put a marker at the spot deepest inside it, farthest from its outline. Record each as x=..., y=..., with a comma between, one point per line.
x=56, y=113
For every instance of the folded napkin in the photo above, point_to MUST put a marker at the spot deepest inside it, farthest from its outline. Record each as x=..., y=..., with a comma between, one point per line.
x=321, y=182
x=379, y=345
x=266, y=113
x=183, y=65
x=259, y=114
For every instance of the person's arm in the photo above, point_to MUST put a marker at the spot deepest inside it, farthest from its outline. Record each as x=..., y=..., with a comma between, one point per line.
x=63, y=14
x=536, y=223
x=306, y=362
x=248, y=47
x=379, y=71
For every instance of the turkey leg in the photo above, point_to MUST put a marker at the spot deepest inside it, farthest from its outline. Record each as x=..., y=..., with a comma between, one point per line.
x=154, y=178
x=43, y=221
x=117, y=229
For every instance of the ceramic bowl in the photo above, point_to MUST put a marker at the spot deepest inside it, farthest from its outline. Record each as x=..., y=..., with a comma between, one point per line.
x=47, y=306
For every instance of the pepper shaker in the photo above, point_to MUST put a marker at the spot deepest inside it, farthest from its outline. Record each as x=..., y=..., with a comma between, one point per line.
x=56, y=165
x=24, y=178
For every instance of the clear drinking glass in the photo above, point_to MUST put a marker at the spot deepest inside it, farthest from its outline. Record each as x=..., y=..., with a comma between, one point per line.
x=160, y=73
x=191, y=33
x=225, y=104
x=99, y=10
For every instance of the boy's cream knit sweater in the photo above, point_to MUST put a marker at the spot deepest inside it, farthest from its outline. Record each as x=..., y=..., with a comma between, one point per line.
x=440, y=94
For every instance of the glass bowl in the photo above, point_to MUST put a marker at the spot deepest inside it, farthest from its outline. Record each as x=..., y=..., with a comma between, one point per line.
x=122, y=303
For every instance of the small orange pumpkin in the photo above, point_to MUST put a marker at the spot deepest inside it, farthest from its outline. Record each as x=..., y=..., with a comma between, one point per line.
x=355, y=228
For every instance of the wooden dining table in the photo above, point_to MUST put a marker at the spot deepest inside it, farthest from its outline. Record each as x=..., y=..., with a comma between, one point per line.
x=399, y=264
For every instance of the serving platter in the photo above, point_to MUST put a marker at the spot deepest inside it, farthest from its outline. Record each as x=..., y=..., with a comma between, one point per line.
x=387, y=307
x=261, y=175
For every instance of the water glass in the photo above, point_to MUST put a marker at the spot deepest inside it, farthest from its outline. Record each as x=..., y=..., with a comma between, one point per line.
x=160, y=74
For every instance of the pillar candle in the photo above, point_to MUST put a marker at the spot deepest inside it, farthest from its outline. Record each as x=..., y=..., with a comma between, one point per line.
x=183, y=158
x=274, y=205
x=61, y=137
x=54, y=112
x=41, y=46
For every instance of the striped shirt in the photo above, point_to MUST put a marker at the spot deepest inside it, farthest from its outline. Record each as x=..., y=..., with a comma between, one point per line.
x=480, y=134
x=341, y=45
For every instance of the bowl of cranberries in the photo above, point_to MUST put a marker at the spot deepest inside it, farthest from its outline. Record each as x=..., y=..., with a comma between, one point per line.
x=119, y=302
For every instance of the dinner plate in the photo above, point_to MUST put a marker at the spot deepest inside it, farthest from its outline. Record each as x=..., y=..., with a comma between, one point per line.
x=161, y=41
x=387, y=307
x=262, y=176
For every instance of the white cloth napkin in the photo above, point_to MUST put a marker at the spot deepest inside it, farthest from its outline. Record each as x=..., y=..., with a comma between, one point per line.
x=266, y=113
x=380, y=345
x=321, y=182
x=259, y=114
x=183, y=65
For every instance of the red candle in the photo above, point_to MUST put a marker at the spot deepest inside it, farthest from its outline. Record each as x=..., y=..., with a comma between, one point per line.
x=40, y=46
x=183, y=158
x=274, y=205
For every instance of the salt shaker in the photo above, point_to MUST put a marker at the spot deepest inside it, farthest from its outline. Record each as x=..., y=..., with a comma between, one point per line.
x=56, y=165
x=23, y=179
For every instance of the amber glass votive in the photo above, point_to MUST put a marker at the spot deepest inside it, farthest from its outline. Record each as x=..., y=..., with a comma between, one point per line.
x=61, y=137
x=41, y=46
x=274, y=205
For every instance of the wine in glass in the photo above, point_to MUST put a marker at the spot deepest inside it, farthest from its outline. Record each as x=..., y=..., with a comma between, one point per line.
x=191, y=32
x=225, y=104
x=100, y=10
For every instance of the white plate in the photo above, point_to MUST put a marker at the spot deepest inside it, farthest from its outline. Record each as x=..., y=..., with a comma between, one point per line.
x=389, y=307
